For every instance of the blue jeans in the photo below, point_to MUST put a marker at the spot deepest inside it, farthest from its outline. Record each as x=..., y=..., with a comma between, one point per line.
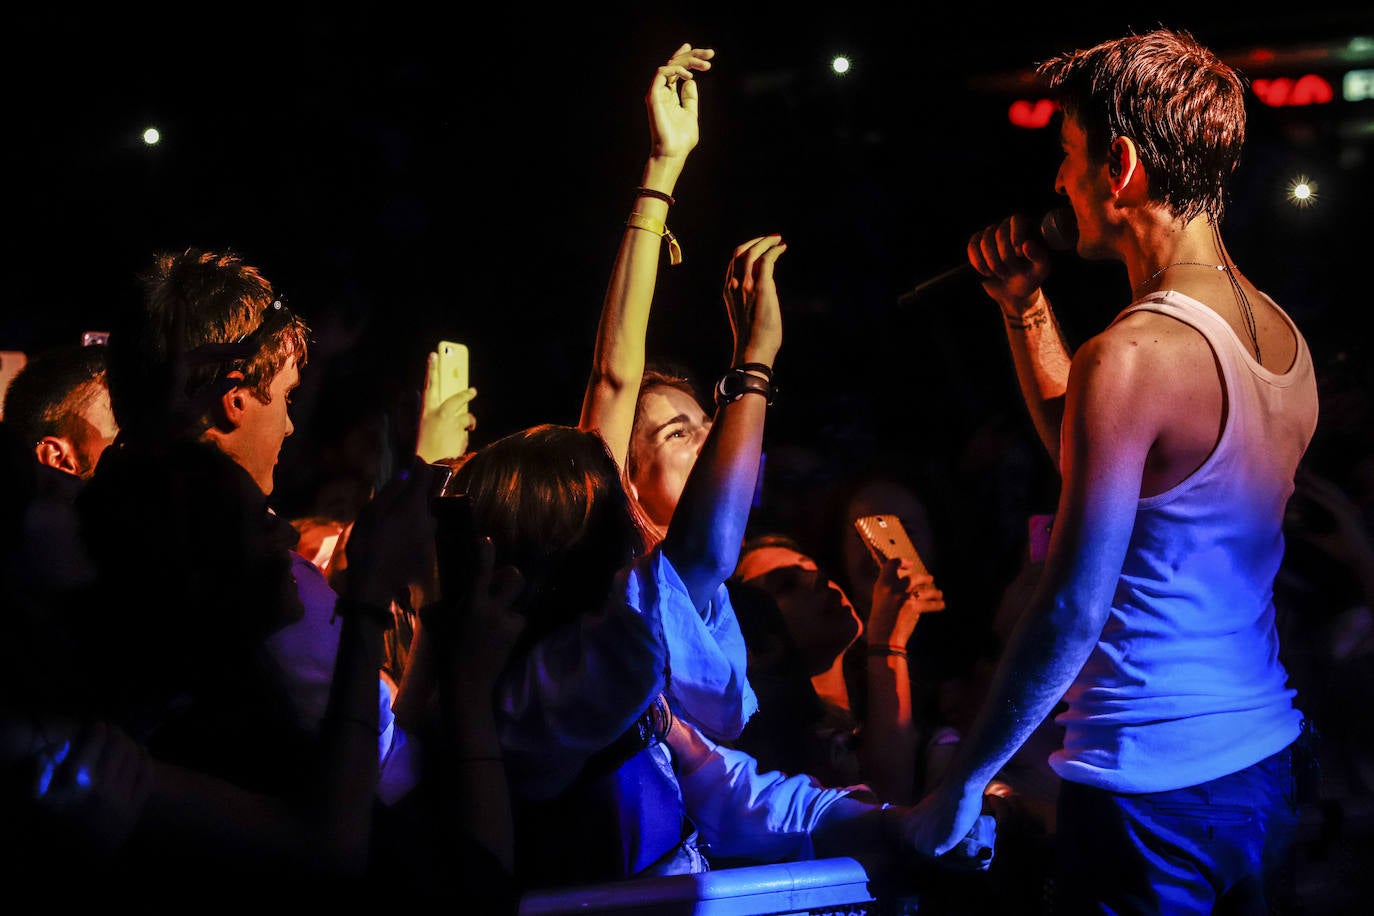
x=1223, y=846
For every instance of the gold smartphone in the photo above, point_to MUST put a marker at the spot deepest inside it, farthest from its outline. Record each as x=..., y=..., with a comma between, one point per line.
x=453, y=369
x=886, y=537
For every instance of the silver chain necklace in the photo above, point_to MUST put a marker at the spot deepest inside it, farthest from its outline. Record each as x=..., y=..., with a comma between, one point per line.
x=1247, y=314
x=1146, y=282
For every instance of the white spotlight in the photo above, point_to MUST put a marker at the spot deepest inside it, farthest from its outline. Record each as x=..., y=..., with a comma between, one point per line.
x=1302, y=191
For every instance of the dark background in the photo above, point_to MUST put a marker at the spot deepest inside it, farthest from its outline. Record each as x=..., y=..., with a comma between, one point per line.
x=405, y=173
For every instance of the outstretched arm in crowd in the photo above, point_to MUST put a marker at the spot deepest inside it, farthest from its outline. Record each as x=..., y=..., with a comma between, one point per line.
x=707, y=528
x=618, y=361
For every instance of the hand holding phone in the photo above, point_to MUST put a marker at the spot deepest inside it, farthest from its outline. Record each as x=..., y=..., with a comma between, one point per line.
x=891, y=622
x=445, y=416
x=886, y=538
x=453, y=369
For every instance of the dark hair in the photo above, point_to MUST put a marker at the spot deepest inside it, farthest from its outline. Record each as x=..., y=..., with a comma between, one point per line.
x=203, y=315
x=1183, y=107
x=770, y=539
x=552, y=501
x=49, y=392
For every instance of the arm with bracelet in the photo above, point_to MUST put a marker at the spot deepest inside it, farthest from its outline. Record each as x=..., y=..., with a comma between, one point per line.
x=608, y=405
x=708, y=524
x=888, y=753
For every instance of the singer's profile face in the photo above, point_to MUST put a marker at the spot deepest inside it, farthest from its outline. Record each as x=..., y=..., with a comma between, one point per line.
x=1084, y=180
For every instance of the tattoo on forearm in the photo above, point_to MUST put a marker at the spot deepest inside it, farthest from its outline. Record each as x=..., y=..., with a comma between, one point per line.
x=1035, y=318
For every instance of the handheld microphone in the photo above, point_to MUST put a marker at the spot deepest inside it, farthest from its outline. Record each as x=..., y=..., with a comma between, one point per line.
x=1058, y=230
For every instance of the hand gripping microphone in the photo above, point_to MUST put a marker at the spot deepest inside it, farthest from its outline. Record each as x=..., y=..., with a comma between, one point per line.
x=1058, y=230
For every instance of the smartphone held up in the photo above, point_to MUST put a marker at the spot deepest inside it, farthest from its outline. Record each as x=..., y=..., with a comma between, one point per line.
x=886, y=538
x=453, y=368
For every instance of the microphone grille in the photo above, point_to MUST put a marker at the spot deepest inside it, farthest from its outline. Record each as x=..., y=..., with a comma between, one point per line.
x=1059, y=228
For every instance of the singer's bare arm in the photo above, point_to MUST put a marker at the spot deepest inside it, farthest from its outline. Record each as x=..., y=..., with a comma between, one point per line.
x=1014, y=264
x=618, y=362
x=1127, y=386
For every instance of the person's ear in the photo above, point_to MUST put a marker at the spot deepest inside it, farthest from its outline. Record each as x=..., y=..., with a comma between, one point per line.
x=58, y=452
x=1123, y=163
x=234, y=402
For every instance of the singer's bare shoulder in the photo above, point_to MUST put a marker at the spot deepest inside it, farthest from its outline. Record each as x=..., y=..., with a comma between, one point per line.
x=1150, y=383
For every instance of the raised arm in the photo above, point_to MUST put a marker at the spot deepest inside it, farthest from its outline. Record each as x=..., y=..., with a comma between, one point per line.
x=1014, y=265
x=707, y=527
x=618, y=361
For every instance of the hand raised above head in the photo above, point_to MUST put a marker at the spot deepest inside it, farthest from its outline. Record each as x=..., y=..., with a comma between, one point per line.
x=672, y=102
x=751, y=300
x=444, y=423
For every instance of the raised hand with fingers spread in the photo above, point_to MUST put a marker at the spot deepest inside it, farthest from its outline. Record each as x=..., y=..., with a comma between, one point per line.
x=613, y=387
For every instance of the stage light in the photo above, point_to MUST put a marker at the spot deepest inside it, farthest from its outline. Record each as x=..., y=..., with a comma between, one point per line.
x=840, y=64
x=1302, y=191
x=1358, y=85
x=151, y=136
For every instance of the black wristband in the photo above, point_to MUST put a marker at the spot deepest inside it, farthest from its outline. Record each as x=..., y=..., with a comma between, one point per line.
x=736, y=383
x=661, y=195
x=765, y=371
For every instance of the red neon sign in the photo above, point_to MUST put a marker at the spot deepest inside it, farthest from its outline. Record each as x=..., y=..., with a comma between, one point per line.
x=1031, y=114
x=1283, y=92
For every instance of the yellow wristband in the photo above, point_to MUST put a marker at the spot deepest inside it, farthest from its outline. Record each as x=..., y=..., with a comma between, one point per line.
x=656, y=226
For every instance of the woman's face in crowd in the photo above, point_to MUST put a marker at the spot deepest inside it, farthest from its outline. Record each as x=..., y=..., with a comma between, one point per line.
x=818, y=614
x=670, y=427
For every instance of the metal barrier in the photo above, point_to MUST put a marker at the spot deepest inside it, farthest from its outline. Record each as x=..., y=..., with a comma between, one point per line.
x=818, y=886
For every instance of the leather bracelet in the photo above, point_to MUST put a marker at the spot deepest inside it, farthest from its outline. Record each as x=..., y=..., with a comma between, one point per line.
x=879, y=651
x=661, y=195
x=764, y=370
x=736, y=383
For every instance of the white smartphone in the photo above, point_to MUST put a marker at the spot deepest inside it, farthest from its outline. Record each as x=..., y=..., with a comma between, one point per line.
x=886, y=537
x=453, y=368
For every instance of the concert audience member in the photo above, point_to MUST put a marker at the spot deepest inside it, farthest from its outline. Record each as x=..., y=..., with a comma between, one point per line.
x=609, y=605
x=58, y=409
x=801, y=620
x=614, y=388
